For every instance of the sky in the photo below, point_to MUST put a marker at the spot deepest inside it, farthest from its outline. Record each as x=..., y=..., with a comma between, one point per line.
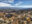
x=16, y=3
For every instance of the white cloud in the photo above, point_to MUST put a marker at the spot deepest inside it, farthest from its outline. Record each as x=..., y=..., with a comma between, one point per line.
x=18, y=6
x=10, y=1
x=9, y=5
x=25, y=6
x=4, y=5
x=19, y=3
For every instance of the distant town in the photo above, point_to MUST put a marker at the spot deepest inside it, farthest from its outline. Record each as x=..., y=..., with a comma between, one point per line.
x=11, y=16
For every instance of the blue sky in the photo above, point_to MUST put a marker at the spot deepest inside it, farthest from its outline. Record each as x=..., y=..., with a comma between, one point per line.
x=16, y=3
x=24, y=1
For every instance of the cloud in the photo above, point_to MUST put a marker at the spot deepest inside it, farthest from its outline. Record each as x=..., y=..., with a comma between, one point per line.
x=24, y=6
x=4, y=5
x=10, y=1
x=27, y=6
x=9, y=5
x=7, y=1
x=19, y=3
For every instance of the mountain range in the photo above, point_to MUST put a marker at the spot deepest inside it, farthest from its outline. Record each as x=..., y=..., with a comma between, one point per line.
x=15, y=8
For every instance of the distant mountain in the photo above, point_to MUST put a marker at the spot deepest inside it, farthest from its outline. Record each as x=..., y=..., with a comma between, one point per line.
x=15, y=8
